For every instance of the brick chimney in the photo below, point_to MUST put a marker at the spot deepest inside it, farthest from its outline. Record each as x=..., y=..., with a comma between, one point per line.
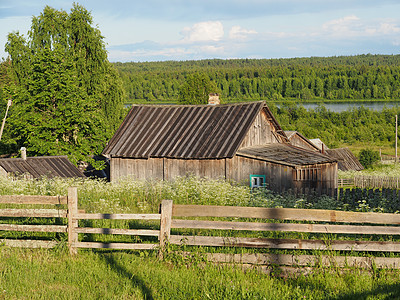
x=23, y=153
x=213, y=99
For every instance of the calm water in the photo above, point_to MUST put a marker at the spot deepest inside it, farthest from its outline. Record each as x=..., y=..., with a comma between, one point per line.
x=342, y=106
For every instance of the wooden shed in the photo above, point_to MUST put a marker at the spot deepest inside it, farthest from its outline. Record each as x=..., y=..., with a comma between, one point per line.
x=241, y=142
x=299, y=140
x=346, y=159
x=40, y=166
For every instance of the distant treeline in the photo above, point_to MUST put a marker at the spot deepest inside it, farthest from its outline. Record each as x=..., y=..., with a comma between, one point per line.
x=344, y=77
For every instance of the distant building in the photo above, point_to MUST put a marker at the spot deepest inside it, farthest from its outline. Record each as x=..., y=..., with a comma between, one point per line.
x=346, y=159
x=241, y=142
x=299, y=140
x=319, y=144
x=37, y=167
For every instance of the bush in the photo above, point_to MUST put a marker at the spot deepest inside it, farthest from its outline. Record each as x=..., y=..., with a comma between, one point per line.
x=368, y=157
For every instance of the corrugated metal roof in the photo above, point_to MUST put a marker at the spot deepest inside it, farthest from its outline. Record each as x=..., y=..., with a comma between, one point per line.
x=36, y=167
x=346, y=159
x=285, y=154
x=183, y=131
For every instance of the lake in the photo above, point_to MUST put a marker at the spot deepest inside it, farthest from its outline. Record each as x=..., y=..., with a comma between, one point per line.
x=334, y=106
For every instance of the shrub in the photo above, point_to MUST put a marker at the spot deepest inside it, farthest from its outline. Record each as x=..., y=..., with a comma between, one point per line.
x=368, y=157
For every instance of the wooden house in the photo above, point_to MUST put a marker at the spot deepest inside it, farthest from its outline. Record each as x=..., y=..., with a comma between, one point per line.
x=299, y=140
x=37, y=167
x=319, y=144
x=240, y=142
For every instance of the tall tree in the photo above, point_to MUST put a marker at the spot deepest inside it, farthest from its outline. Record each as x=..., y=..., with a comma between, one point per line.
x=68, y=98
x=196, y=89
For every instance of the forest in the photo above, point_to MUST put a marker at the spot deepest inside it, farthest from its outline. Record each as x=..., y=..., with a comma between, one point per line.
x=315, y=78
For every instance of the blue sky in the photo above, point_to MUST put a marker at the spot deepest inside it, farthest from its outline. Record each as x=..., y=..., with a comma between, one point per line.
x=158, y=30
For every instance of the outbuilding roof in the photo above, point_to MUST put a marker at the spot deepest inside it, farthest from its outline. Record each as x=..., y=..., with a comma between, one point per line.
x=41, y=166
x=285, y=154
x=186, y=131
x=346, y=159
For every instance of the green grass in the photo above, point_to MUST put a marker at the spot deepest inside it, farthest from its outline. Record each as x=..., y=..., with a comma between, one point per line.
x=53, y=274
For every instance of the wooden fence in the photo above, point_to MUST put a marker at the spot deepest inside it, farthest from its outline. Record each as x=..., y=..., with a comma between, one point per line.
x=33, y=213
x=249, y=227
x=363, y=181
x=71, y=215
x=323, y=222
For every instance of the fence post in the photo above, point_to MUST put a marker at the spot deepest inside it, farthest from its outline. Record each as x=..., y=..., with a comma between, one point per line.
x=72, y=223
x=165, y=224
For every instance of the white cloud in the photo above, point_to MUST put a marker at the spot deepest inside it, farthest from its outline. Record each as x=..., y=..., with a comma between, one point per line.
x=240, y=33
x=212, y=49
x=204, y=31
x=388, y=28
x=343, y=27
x=352, y=27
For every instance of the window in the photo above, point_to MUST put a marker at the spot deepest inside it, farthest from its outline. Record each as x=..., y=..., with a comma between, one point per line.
x=257, y=181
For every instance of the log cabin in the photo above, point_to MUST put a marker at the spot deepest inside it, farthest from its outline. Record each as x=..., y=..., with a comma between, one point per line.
x=237, y=142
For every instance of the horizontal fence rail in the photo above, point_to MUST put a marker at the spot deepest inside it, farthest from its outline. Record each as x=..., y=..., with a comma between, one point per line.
x=32, y=199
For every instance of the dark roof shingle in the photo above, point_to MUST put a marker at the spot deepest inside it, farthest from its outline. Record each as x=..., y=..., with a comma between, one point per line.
x=41, y=166
x=346, y=159
x=183, y=131
x=285, y=154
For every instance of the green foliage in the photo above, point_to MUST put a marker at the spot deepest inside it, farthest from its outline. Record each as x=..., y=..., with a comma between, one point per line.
x=345, y=77
x=67, y=97
x=196, y=89
x=368, y=157
x=358, y=125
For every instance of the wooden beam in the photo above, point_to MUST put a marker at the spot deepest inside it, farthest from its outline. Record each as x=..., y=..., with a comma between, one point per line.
x=33, y=213
x=34, y=228
x=317, y=215
x=165, y=224
x=72, y=223
x=121, y=246
x=29, y=243
x=142, y=232
x=80, y=216
x=304, y=260
x=287, y=227
x=32, y=199
x=345, y=245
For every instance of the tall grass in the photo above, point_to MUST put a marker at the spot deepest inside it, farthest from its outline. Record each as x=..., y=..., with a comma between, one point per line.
x=378, y=169
x=135, y=196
